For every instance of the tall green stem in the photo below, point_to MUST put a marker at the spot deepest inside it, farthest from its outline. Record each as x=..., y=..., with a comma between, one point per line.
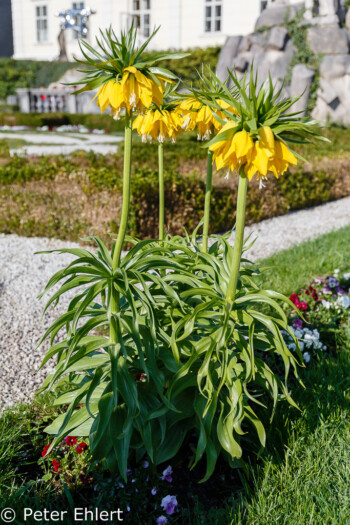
x=237, y=249
x=126, y=193
x=207, y=200
x=114, y=295
x=161, y=189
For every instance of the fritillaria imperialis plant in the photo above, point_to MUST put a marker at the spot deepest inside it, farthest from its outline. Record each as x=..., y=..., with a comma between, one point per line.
x=167, y=344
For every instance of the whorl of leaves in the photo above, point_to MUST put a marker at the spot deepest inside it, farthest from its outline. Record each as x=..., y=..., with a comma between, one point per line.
x=184, y=365
x=112, y=55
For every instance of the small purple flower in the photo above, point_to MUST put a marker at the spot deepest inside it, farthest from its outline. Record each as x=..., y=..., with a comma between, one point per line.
x=167, y=474
x=145, y=464
x=162, y=520
x=298, y=323
x=128, y=472
x=169, y=504
x=154, y=491
x=332, y=281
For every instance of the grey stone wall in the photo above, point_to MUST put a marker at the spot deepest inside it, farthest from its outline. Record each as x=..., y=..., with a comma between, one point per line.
x=272, y=51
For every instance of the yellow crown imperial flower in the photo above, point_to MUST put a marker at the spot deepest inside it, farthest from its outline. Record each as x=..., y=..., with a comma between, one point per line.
x=200, y=115
x=255, y=138
x=258, y=157
x=126, y=79
x=134, y=92
x=158, y=125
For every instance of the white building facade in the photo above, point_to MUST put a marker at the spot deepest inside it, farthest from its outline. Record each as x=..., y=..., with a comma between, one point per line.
x=184, y=23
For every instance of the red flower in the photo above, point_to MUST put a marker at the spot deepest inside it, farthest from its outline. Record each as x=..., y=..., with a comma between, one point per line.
x=315, y=296
x=81, y=447
x=294, y=298
x=46, y=448
x=56, y=465
x=84, y=479
x=70, y=440
x=302, y=305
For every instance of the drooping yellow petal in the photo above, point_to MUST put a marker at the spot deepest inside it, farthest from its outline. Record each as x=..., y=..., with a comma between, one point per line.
x=268, y=140
x=260, y=158
x=131, y=69
x=286, y=154
x=243, y=143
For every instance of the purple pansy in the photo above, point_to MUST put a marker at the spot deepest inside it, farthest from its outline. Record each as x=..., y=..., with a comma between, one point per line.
x=154, y=491
x=298, y=323
x=145, y=464
x=169, y=504
x=167, y=474
x=162, y=520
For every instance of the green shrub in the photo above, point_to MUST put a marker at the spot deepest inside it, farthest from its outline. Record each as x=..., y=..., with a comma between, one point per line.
x=184, y=192
x=28, y=73
x=35, y=73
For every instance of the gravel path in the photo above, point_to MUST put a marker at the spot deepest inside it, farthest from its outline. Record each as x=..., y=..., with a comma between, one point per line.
x=52, y=143
x=280, y=233
x=24, y=275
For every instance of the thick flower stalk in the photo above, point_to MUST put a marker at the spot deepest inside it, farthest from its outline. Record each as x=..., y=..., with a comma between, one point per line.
x=198, y=113
x=256, y=141
x=161, y=121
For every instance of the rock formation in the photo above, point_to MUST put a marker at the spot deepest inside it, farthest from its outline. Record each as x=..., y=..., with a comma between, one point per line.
x=275, y=47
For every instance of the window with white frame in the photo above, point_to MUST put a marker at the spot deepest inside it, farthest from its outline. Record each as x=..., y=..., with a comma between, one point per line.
x=141, y=13
x=41, y=23
x=213, y=15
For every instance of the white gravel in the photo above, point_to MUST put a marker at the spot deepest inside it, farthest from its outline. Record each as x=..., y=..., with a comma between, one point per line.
x=52, y=143
x=281, y=233
x=24, y=275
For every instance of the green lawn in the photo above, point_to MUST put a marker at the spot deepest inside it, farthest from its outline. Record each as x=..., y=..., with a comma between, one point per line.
x=303, y=477
x=299, y=265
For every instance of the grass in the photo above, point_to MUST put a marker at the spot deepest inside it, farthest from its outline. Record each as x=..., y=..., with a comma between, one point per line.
x=303, y=477
x=297, y=266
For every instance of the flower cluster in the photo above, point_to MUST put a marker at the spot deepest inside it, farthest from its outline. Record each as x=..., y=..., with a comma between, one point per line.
x=126, y=79
x=325, y=304
x=134, y=92
x=201, y=116
x=266, y=154
x=300, y=305
x=67, y=460
x=158, y=125
x=309, y=340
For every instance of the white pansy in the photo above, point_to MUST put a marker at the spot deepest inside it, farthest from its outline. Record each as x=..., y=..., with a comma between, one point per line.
x=344, y=301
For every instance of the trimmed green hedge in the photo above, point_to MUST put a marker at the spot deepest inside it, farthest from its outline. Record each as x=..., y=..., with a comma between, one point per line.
x=28, y=73
x=99, y=179
x=35, y=120
x=33, y=73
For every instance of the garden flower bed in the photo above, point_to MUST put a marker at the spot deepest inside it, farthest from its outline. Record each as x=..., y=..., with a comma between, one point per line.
x=171, y=357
